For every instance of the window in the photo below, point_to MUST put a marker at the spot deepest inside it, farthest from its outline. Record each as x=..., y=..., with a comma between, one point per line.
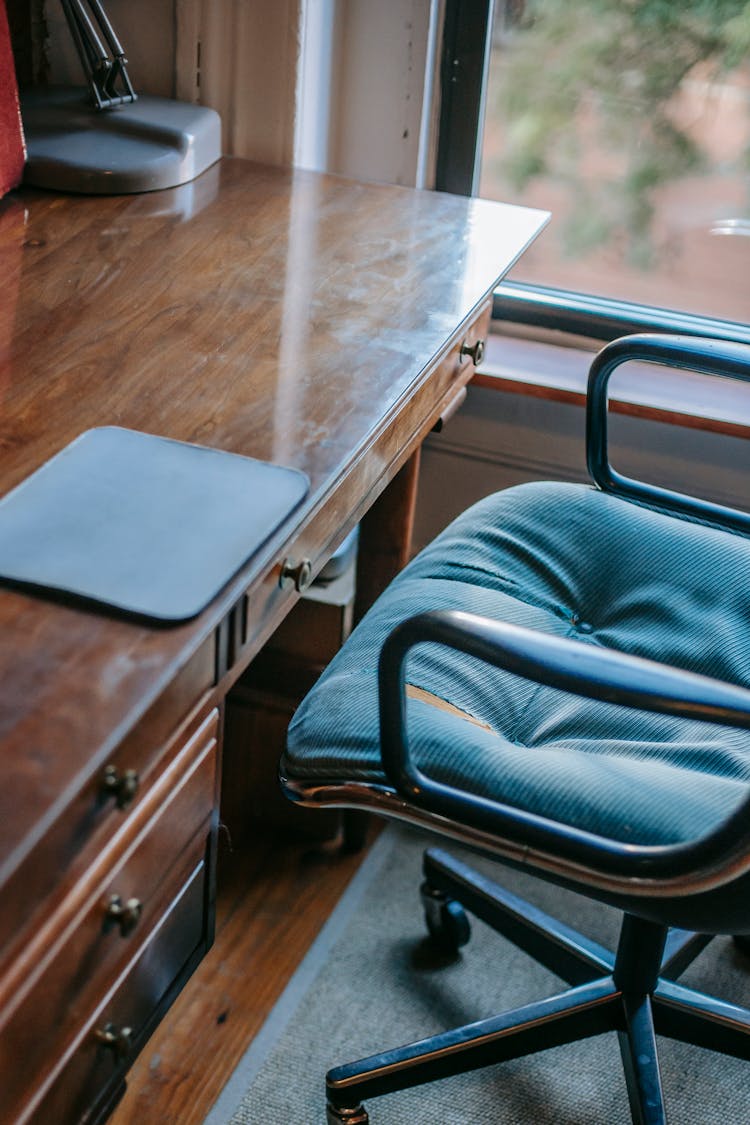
x=630, y=121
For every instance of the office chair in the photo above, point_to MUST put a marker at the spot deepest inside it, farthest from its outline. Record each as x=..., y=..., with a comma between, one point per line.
x=560, y=680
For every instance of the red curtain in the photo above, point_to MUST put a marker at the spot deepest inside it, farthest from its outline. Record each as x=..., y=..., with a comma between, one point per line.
x=12, y=154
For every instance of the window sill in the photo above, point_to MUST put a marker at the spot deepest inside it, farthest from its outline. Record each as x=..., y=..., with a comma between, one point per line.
x=557, y=373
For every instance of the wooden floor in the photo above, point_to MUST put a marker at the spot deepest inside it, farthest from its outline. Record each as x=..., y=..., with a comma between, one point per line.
x=273, y=899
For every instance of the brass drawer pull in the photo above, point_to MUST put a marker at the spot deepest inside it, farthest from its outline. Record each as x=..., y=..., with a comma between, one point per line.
x=474, y=351
x=118, y=1040
x=123, y=914
x=297, y=574
x=122, y=786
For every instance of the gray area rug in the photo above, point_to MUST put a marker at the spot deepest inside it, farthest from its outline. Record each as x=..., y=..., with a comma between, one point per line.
x=371, y=982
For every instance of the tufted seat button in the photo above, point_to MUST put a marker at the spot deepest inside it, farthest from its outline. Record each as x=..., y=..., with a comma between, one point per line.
x=584, y=627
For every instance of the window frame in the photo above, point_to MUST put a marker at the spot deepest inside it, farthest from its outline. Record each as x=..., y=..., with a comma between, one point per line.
x=464, y=67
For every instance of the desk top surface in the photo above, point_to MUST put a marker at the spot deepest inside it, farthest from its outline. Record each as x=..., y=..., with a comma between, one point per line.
x=279, y=314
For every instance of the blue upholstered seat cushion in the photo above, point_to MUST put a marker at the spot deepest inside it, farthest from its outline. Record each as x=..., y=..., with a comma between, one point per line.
x=575, y=562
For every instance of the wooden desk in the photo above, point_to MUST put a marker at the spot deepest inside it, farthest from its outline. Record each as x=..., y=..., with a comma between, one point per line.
x=290, y=316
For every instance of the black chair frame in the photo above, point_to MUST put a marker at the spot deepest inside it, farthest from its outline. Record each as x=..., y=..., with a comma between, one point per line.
x=634, y=991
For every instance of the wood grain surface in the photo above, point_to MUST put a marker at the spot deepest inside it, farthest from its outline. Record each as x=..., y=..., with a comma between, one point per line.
x=298, y=318
x=286, y=315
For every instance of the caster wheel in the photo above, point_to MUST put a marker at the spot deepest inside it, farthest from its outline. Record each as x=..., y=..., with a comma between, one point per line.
x=742, y=941
x=355, y=1116
x=447, y=921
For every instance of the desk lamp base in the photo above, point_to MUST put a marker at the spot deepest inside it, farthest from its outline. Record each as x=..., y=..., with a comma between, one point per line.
x=146, y=145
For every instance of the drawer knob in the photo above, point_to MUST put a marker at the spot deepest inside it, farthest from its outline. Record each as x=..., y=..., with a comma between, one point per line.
x=474, y=351
x=297, y=574
x=118, y=1040
x=122, y=786
x=123, y=914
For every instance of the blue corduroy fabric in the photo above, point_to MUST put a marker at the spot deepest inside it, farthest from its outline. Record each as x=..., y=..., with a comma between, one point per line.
x=575, y=562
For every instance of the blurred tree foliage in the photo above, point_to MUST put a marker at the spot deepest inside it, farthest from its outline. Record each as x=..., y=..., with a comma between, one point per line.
x=585, y=80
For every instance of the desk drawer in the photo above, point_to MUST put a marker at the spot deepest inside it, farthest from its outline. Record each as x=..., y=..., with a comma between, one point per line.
x=92, y=816
x=74, y=960
x=89, y=1074
x=363, y=480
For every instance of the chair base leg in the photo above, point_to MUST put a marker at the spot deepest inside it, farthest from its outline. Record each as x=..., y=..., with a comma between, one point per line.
x=568, y=954
x=704, y=1021
x=640, y=1063
x=578, y=1013
x=632, y=992
x=681, y=949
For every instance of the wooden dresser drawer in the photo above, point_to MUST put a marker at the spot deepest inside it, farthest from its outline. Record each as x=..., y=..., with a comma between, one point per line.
x=86, y=945
x=90, y=1073
x=88, y=818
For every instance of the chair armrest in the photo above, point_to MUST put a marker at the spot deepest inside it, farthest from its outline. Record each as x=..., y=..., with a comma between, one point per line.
x=707, y=357
x=585, y=670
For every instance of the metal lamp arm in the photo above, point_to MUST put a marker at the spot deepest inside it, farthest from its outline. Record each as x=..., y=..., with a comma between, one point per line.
x=100, y=51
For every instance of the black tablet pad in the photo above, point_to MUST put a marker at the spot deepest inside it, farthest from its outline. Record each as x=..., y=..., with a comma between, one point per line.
x=143, y=524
